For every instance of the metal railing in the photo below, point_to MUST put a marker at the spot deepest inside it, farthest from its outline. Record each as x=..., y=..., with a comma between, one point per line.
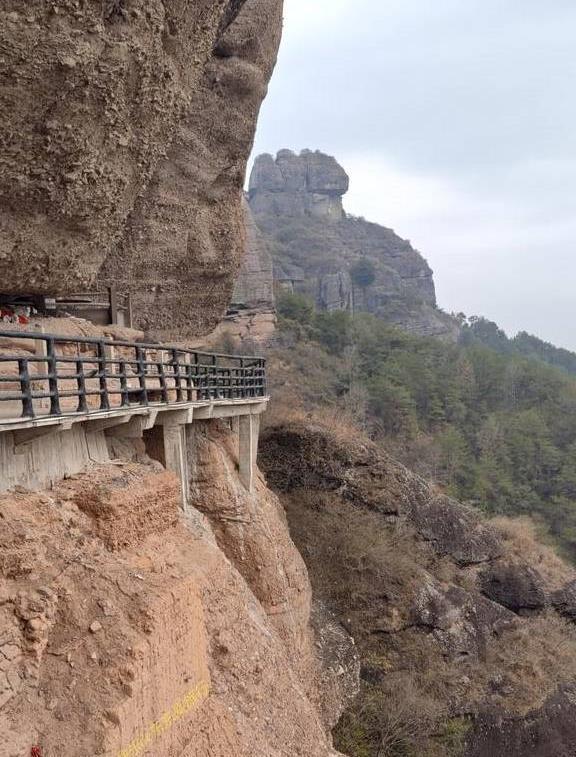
x=63, y=374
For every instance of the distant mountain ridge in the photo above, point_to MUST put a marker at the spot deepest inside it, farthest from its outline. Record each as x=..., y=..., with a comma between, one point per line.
x=483, y=331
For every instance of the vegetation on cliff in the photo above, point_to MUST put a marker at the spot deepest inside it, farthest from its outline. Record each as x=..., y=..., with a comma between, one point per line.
x=477, y=330
x=495, y=429
x=457, y=618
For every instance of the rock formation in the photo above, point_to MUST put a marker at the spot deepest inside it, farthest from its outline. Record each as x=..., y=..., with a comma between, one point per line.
x=254, y=285
x=127, y=128
x=297, y=203
x=294, y=185
x=128, y=627
x=251, y=316
x=438, y=600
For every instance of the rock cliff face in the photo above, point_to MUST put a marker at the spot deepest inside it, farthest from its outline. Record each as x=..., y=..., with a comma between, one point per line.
x=457, y=620
x=254, y=285
x=297, y=203
x=251, y=316
x=127, y=628
x=294, y=185
x=124, y=146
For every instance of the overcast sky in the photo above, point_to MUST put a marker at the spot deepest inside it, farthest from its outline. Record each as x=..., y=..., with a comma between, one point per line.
x=456, y=121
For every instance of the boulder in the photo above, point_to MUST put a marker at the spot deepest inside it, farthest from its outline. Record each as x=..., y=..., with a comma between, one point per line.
x=453, y=529
x=520, y=588
x=564, y=600
x=462, y=622
x=339, y=664
x=548, y=731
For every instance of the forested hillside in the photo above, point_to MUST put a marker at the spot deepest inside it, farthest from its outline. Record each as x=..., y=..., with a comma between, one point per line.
x=491, y=427
x=483, y=331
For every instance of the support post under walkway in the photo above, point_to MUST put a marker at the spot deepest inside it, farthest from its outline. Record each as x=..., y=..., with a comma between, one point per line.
x=248, y=431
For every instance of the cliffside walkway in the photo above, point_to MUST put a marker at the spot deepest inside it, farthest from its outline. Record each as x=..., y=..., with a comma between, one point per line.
x=99, y=388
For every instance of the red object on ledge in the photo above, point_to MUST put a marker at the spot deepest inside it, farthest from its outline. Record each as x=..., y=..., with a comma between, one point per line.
x=8, y=315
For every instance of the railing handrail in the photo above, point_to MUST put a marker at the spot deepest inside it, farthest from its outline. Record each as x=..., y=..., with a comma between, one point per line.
x=63, y=338
x=192, y=374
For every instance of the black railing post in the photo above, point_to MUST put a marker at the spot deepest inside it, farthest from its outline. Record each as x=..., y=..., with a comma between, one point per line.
x=102, y=377
x=53, y=377
x=162, y=377
x=141, y=365
x=206, y=379
x=26, y=389
x=81, y=383
x=124, y=393
x=177, y=376
x=215, y=382
x=191, y=376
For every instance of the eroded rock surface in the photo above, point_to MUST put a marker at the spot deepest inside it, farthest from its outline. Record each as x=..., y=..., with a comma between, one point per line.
x=450, y=612
x=128, y=127
x=518, y=587
x=364, y=475
x=297, y=185
x=251, y=316
x=124, y=623
x=564, y=600
x=547, y=731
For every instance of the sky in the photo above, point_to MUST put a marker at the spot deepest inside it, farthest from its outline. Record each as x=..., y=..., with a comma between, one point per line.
x=456, y=121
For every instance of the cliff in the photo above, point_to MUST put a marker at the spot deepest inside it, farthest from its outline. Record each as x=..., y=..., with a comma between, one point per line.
x=460, y=622
x=127, y=628
x=350, y=597
x=251, y=316
x=342, y=262
x=254, y=286
x=127, y=129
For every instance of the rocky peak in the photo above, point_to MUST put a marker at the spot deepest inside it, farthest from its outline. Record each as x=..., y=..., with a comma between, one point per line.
x=308, y=184
x=292, y=197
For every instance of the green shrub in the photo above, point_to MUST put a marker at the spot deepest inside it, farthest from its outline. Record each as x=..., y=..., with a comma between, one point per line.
x=499, y=430
x=295, y=307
